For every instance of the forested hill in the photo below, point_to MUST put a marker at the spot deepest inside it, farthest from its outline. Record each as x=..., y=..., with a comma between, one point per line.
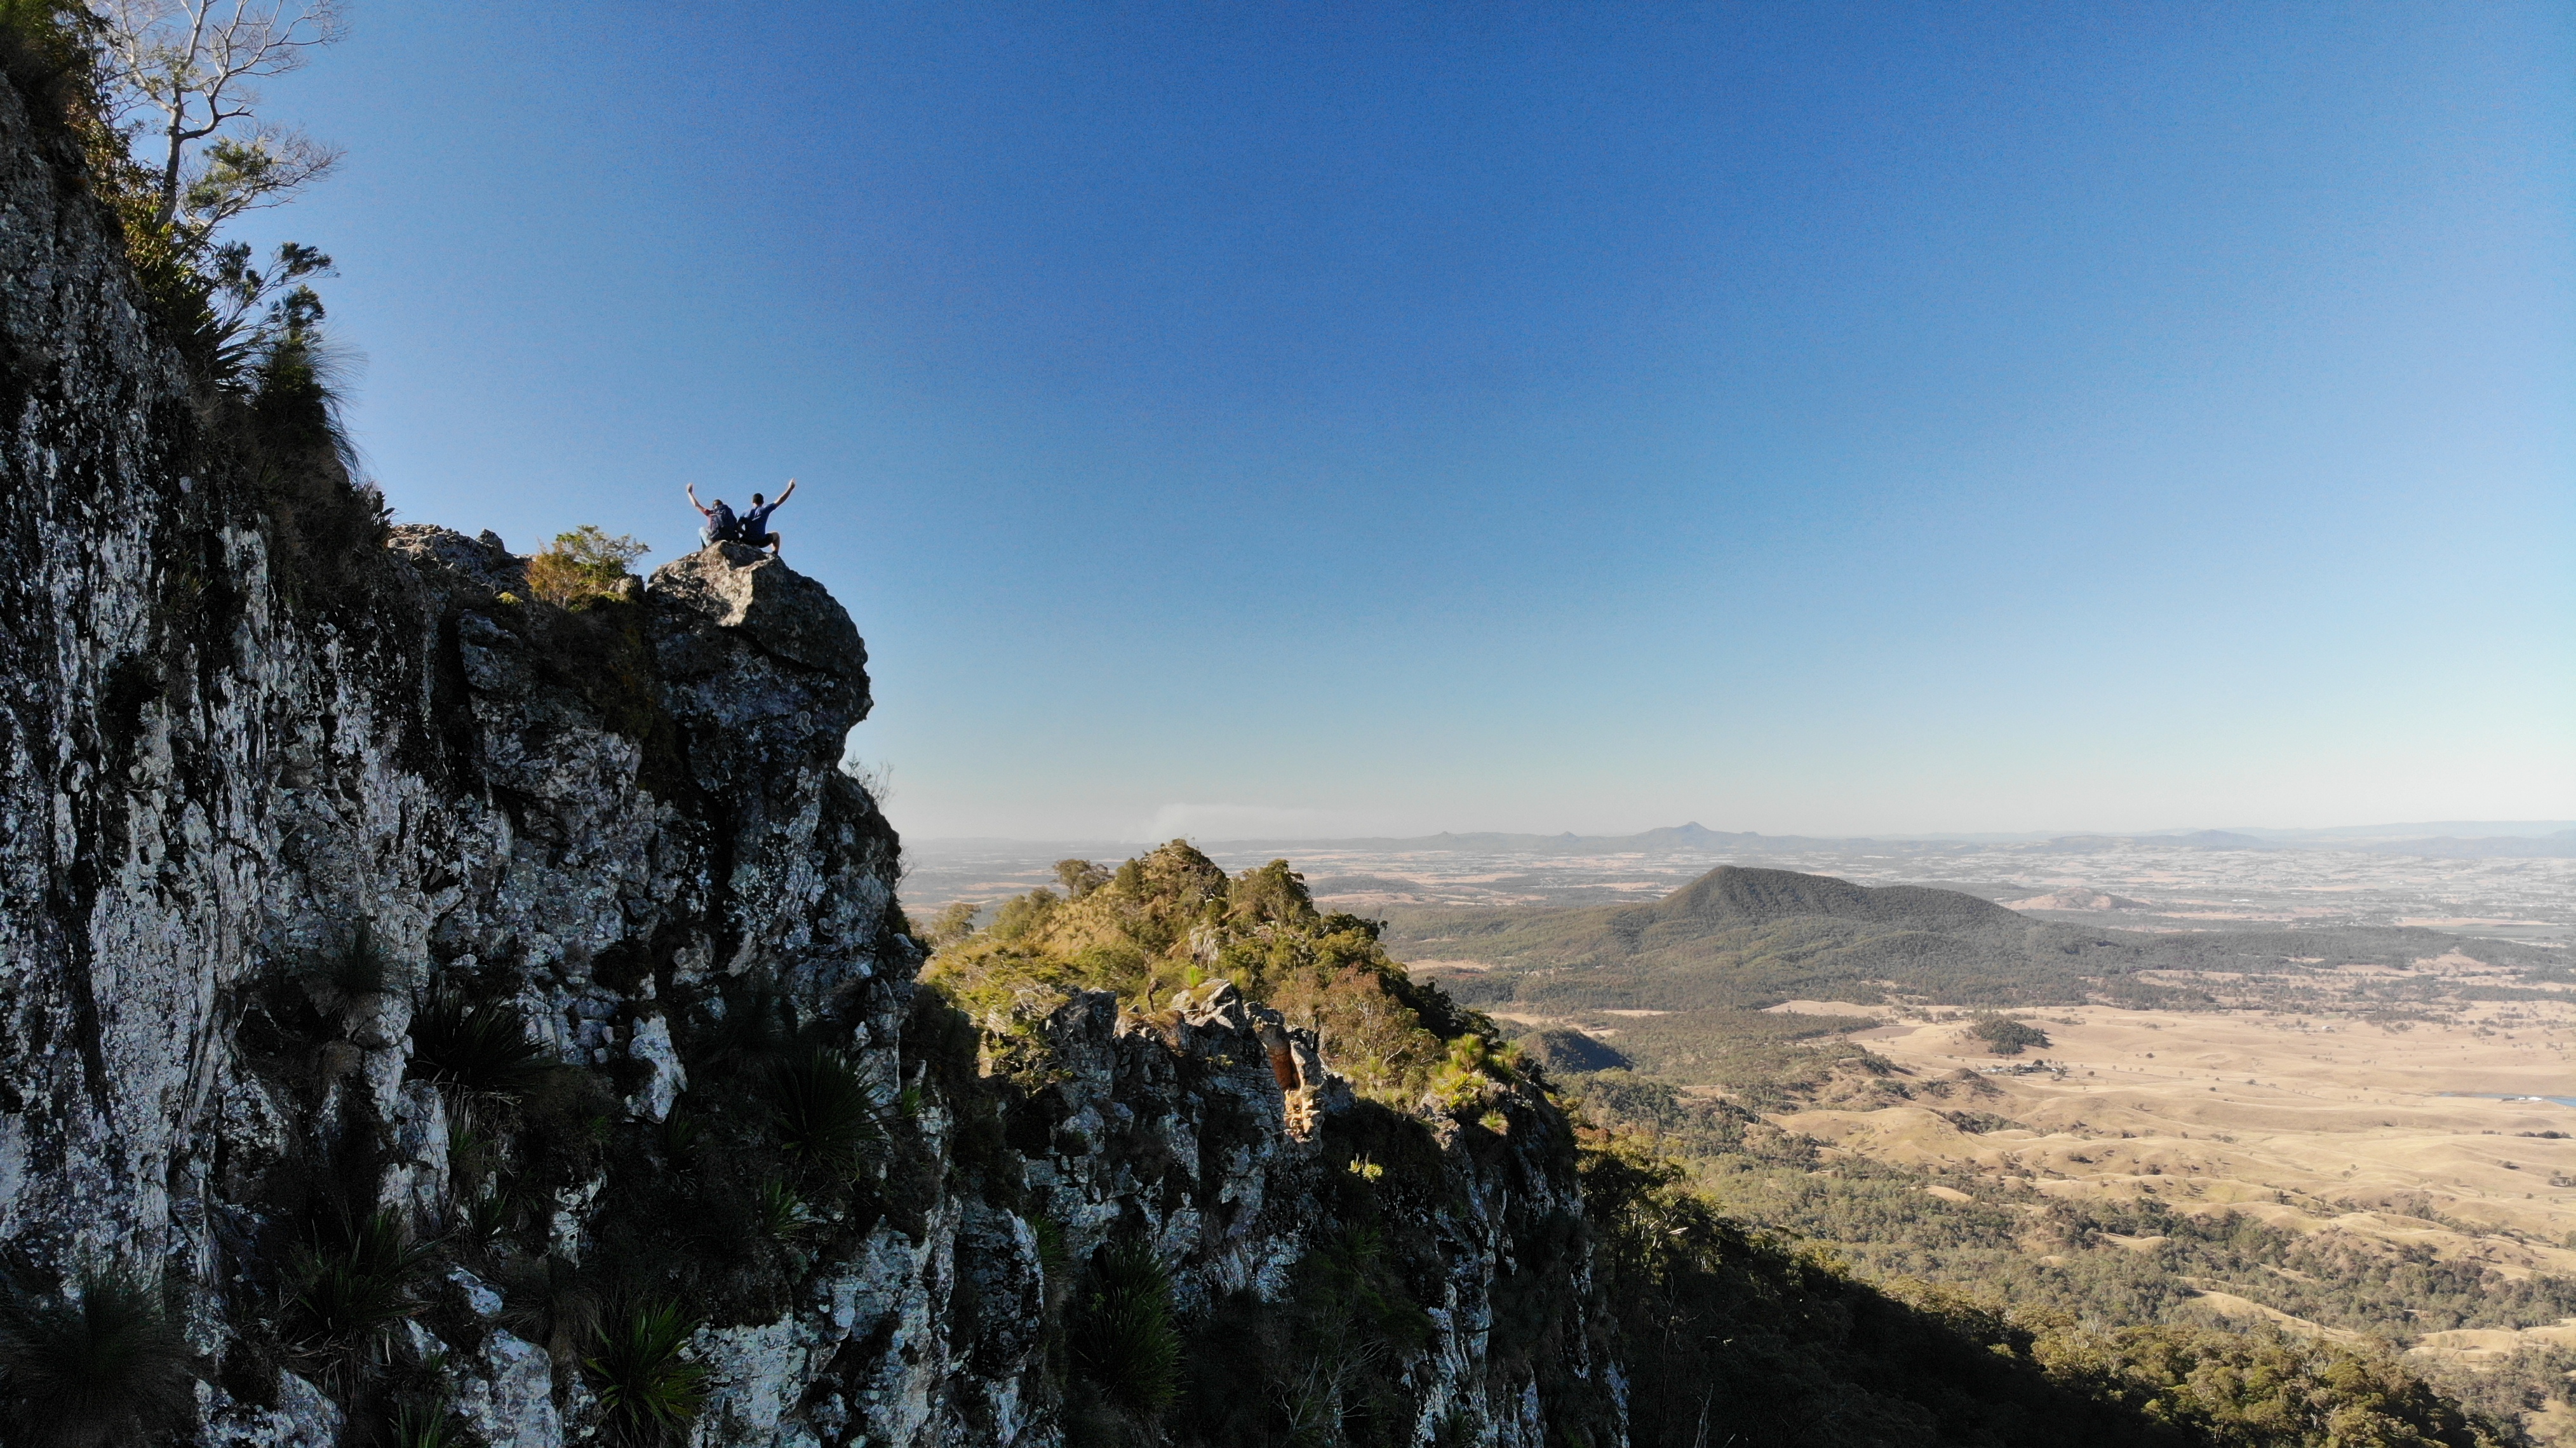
x=1732, y=893
x=1748, y=938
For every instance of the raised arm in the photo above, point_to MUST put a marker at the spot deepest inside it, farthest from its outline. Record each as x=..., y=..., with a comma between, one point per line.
x=693, y=500
x=791, y=491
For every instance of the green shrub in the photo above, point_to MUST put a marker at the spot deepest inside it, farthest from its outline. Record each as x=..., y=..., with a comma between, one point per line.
x=427, y=1424
x=783, y=1214
x=353, y=1284
x=824, y=1118
x=46, y=47
x=584, y=564
x=479, y=1048
x=341, y=979
x=108, y=1366
x=755, y=1029
x=648, y=1392
x=1123, y=1342
x=954, y=922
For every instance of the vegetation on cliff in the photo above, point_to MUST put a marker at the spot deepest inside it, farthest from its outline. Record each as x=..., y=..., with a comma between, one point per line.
x=267, y=377
x=1333, y=1349
x=1722, y=1329
x=1729, y=1329
x=1172, y=918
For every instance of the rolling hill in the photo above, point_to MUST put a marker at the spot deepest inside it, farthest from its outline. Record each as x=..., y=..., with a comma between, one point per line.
x=1738, y=938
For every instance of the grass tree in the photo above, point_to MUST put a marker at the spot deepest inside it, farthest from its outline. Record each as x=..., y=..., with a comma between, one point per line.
x=103, y=1364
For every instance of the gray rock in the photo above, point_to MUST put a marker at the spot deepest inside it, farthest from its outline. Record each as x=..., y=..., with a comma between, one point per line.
x=507, y=1398
x=228, y=734
x=652, y=1046
x=787, y=614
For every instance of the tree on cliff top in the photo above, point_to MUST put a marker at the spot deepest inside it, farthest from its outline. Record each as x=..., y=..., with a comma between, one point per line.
x=159, y=97
x=586, y=563
x=181, y=80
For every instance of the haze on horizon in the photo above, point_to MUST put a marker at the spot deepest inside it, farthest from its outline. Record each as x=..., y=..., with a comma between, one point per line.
x=1346, y=419
x=1222, y=826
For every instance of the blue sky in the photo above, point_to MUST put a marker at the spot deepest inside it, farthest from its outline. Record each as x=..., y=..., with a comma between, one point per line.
x=1297, y=419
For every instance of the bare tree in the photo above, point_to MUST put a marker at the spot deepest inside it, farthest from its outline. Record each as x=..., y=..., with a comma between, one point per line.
x=182, y=78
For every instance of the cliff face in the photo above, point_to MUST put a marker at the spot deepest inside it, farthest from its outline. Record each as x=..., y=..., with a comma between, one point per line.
x=353, y=898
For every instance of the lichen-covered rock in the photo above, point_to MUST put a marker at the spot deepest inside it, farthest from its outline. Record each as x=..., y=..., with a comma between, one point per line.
x=789, y=615
x=289, y=815
x=506, y=1394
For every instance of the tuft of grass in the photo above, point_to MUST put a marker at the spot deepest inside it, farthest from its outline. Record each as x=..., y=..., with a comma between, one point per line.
x=1054, y=1255
x=648, y=1392
x=479, y=1048
x=429, y=1423
x=1124, y=1341
x=106, y=1366
x=681, y=1132
x=340, y=980
x=757, y=1028
x=783, y=1214
x=825, y=1119
x=354, y=1285
x=491, y=1215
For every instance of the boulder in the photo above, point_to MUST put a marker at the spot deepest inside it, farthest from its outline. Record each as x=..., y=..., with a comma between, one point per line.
x=789, y=615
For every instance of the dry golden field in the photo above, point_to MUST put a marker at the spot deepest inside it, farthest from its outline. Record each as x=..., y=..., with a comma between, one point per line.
x=2433, y=1133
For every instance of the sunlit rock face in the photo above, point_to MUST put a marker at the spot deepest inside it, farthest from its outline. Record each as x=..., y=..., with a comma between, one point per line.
x=275, y=804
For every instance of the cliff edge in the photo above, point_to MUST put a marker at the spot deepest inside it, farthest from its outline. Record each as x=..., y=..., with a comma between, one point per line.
x=443, y=1002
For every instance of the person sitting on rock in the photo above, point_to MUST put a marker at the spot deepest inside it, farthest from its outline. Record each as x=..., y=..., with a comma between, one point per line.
x=755, y=523
x=721, y=525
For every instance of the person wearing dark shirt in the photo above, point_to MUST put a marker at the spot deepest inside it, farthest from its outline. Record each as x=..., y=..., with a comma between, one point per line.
x=721, y=525
x=755, y=520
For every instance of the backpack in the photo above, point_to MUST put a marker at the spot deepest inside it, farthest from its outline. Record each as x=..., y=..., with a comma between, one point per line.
x=722, y=526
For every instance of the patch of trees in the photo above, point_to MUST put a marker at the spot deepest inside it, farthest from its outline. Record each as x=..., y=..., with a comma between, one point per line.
x=1170, y=919
x=1726, y=1330
x=2006, y=1036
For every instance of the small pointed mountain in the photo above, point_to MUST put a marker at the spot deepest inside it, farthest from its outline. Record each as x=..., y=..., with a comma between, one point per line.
x=1740, y=894
x=1739, y=938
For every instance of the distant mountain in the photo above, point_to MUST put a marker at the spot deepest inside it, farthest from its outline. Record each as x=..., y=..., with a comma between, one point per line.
x=1693, y=838
x=2559, y=846
x=1696, y=838
x=1747, y=938
x=2459, y=840
x=1738, y=938
x=1732, y=895
x=2220, y=840
x=2348, y=835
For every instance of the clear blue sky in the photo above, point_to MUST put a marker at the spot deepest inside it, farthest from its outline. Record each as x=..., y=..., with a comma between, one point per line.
x=1305, y=418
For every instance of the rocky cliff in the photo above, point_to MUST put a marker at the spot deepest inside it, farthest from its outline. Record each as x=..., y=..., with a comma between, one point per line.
x=447, y=1004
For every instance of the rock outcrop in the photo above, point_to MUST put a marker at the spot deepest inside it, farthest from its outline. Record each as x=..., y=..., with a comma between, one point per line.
x=350, y=890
